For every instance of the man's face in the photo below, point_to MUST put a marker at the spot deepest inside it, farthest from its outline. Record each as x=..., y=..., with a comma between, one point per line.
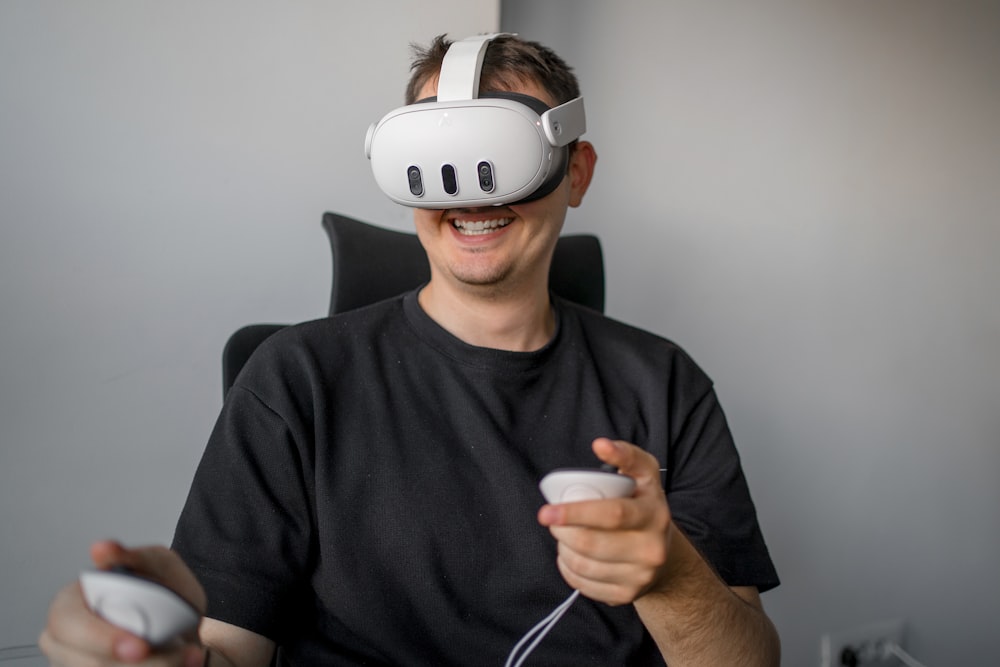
x=495, y=249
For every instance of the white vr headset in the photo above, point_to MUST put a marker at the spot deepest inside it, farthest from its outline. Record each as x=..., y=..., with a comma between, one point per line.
x=461, y=150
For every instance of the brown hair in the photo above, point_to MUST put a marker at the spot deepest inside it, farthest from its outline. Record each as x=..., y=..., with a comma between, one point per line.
x=509, y=61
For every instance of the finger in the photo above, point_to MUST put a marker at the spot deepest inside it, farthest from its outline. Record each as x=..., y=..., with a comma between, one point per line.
x=186, y=656
x=61, y=655
x=107, y=554
x=157, y=563
x=630, y=460
x=76, y=629
x=604, y=514
x=587, y=568
x=611, y=583
x=647, y=513
x=195, y=656
x=646, y=548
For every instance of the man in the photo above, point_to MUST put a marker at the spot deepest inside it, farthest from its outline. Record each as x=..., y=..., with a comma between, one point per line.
x=369, y=494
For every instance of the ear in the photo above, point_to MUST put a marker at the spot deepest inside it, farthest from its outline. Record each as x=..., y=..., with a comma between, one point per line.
x=581, y=170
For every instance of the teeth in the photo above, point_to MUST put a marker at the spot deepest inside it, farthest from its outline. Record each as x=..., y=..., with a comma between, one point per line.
x=472, y=228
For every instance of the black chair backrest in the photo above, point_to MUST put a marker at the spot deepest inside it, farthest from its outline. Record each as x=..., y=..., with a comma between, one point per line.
x=373, y=263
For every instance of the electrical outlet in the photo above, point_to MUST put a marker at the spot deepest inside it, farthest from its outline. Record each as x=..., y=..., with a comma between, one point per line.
x=867, y=643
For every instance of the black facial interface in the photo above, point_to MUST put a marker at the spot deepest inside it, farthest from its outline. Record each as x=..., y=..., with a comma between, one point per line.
x=449, y=179
x=485, y=176
x=416, y=180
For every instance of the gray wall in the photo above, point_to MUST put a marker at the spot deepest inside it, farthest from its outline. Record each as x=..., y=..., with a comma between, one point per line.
x=163, y=170
x=807, y=197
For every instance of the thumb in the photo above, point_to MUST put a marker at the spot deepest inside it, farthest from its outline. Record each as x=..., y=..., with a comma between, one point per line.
x=156, y=563
x=630, y=460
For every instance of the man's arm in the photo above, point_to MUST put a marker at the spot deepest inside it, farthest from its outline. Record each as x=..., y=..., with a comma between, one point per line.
x=622, y=551
x=698, y=620
x=233, y=646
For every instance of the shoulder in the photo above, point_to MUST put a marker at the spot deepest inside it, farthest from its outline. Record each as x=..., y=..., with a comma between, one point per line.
x=342, y=329
x=635, y=355
x=612, y=335
x=305, y=353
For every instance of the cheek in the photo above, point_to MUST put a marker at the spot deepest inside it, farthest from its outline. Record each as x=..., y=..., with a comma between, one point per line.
x=421, y=215
x=425, y=219
x=549, y=208
x=533, y=210
x=555, y=201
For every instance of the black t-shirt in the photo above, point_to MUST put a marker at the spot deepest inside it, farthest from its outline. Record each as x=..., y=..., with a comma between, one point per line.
x=370, y=491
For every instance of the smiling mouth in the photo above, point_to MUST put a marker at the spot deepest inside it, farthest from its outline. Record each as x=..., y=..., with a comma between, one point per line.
x=480, y=227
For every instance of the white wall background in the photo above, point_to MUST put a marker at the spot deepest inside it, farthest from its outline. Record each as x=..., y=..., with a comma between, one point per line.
x=807, y=197
x=163, y=170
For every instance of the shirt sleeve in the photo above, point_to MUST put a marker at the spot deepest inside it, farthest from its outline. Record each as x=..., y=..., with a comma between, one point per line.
x=246, y=528
x=710, y=500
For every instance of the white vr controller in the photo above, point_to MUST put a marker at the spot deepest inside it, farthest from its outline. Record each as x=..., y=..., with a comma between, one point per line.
x=573, y=485
x=465, y=149
x=144, y=608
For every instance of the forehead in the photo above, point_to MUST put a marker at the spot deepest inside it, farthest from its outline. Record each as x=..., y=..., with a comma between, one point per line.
x=530, y=88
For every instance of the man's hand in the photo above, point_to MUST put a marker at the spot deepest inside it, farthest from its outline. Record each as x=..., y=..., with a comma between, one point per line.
x=615, y=550
x=76, y=636
x=622, y=550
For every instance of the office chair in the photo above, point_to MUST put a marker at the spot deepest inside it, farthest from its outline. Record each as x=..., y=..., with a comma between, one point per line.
x=373, y=263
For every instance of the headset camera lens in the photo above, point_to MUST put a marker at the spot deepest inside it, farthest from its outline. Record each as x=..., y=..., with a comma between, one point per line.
x=485, y=176
x=416, y=180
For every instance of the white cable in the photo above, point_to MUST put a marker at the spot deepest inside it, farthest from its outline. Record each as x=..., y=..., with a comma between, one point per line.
x=542, y=628
x=18, y=652
x=907, y=659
